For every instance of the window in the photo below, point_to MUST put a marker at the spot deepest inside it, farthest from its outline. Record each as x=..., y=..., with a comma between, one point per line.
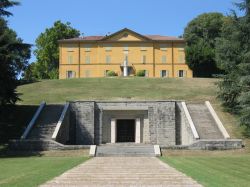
x=143, y=47
x=70, y=74
x=182, y=73
x=125, y=48
x=164, y=73
x=87, y=73
x=143, y=59
x=108, y=47
x=164, y=59
x=87, y=59
x=108, y=59
x=70, y=59
x=70, y=49
x=87, y=48
x=163, y=47
x=181, y=57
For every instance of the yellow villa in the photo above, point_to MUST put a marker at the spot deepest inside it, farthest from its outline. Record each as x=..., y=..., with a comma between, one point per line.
x=125, y=52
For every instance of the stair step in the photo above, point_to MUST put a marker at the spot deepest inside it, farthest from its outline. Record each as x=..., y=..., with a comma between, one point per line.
x=204, y=122
x=113, y=150
x=46, y=122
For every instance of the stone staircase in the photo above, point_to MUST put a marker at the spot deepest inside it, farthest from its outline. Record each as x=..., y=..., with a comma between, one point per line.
x=46, y=122
x=125, y=150
x=204, y=122
x=122, y=172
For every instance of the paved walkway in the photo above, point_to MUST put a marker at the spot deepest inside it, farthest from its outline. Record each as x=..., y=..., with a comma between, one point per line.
x=123, y=171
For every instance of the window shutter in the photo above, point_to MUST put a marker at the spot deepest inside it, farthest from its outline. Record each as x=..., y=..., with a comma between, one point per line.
x=166, y=73
x=184, y=73
x=161, y=73
x=74, y=74
x=146, y=73
x=177, y=74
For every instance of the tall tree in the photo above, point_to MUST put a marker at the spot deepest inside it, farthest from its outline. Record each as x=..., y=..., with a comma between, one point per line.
x=201, y=34
x=4, y=4
x=47, y=50
x=233, y=56
x=14, y=55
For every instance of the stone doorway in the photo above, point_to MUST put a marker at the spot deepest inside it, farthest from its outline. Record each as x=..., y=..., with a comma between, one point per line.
x=125, y=130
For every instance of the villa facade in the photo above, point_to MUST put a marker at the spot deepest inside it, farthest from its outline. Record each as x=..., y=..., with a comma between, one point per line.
x=124, y=52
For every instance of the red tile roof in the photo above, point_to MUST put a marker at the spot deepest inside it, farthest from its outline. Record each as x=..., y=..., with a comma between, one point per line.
x=159, y=37
x=150, y=37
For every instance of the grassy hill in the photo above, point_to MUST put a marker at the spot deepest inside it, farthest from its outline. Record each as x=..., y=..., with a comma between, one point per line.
x=59, y=91
x=190, y=90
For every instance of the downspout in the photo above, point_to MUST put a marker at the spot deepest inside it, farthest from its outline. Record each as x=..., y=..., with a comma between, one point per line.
x=79, y=59
x=153, y=60
x=172, y=59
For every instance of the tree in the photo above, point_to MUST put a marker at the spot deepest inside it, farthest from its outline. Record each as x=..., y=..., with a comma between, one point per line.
x=14, y=55
x=4, y=4
x=47, y=50
x=201, y=34
x=233, y=56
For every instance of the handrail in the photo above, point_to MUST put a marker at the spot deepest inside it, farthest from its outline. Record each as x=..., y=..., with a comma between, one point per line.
x=33, y=120
x=59, y=123
x=217, y=120
x=190, y=121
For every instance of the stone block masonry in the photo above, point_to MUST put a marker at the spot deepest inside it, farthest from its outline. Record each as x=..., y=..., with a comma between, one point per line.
x=92, y=120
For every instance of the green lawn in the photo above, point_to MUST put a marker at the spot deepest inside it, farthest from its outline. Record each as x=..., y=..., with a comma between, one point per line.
x=132, y=88
x=214, y=171
x=32, y=171
x=59, y=91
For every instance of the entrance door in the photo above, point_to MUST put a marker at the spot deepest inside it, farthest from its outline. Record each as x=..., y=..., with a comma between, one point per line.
x=125, y=130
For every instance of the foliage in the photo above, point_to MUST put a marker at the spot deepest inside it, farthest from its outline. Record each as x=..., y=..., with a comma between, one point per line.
x=14, y=55
x=111, y=73
x=4, y=4
x=233, y=56
x=47, y=51
x=140, y=73
x=201, y=34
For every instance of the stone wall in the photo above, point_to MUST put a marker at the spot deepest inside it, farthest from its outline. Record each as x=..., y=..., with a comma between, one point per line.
x=83, y=117
x=184, y=134
x=63, y=135
x=92, y=120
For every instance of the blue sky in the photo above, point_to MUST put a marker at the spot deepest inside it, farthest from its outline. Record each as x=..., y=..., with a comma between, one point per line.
x=98, y=17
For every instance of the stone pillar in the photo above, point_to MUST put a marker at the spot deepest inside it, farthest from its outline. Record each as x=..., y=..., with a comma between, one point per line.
x=137, y=130
x=113, y=130
x=125, y=64
x=125, y=71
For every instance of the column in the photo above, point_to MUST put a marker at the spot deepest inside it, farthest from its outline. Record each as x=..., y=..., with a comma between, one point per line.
x=113, y=130
x=137, y=130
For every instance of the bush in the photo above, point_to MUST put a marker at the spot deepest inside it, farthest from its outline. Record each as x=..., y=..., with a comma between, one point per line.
x=140, y=73
x=111, y=73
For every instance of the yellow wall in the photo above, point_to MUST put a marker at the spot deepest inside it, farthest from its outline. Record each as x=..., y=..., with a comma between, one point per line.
x=174, y=52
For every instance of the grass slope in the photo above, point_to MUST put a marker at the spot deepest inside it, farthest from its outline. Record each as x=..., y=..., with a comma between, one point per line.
x=134, y=88
x=210, y=171
x=59, y=91
x=33, y=171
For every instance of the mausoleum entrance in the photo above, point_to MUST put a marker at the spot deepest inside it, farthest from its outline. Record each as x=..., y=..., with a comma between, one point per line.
x=125, y=131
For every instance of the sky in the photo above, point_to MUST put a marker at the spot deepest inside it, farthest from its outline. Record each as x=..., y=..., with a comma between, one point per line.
x=100, y=17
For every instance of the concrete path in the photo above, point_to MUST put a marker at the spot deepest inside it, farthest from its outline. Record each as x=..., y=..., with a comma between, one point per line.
x=123, y=171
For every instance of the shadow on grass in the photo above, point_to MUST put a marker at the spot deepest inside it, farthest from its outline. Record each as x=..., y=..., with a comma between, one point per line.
x=23, y=82
x=13, y=121
x=5, y=152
